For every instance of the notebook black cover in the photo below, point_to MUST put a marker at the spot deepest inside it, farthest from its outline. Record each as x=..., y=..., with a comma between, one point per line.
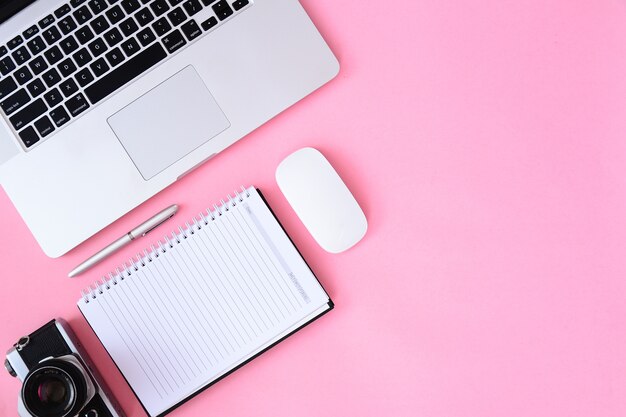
x=331, y=305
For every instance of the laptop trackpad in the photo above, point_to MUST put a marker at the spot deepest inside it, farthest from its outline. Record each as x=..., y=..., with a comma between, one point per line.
x=168, y=122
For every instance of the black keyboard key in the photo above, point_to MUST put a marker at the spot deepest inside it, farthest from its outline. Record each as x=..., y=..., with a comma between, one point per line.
x=66, y=67
x=97, y=6
x=36, y=87
x=77, y=104
x=209, y=23
x=239, y=4
x=15, y=42
x=23, y=75
x=36, y=45
x=130, y=6
x=98, y=47
x=159, y=7
x=144, y=16
x=29, y=136
x=7, y=86
x=191, y=30
x=14, y=102
x=62, y=11
x=21, y=55
x=68, y=87
x=76, y=3
x=53, y=97
x=30, y=32
x=173, y=41
x=115, y=14
x=161, y=26
x=28, y=114
x=146, y=36
x=175, y=2
x=51, y=77
x=82, y=57
x=59, y=116
x=84, y=77
x=222, y=10
x=113, y=37
x=68, y=45
x=53, y=55
x=3, y=50
x=38, y=65
x=44, y=126
x=100, y=24
x=192, y=7
x=125, y=73
x=115, y=57
x=67, y=24
x=99, y=67
x=84, y=35
x=6, y=65
x=82, y=15
x=130, y=47
x=177, y=16
x=207, y=2
x=51, y=35
x=128, y=26
x=46, y=21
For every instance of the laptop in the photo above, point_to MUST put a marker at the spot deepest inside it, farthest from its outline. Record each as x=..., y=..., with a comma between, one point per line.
x=106, y=102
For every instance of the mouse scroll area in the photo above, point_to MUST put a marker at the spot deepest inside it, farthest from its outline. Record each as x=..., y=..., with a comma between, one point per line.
x=321, y=200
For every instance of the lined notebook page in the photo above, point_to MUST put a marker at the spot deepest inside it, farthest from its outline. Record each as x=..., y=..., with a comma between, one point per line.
x=196, y=309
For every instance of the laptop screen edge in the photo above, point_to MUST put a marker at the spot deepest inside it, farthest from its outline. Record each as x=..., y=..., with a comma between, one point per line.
x=9, y=8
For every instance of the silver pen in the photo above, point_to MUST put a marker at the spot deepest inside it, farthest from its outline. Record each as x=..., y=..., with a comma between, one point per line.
x=138, y=231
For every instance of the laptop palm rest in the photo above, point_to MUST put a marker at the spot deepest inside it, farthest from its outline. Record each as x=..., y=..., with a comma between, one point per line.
x=168, y=122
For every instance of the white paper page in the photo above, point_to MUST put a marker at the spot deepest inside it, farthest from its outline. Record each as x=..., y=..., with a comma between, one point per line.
x=205, y=305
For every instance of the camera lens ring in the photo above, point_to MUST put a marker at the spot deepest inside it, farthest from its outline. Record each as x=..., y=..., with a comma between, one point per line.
x=54, y=388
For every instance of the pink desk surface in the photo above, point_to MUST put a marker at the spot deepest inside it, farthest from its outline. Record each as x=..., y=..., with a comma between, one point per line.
x=486, y=142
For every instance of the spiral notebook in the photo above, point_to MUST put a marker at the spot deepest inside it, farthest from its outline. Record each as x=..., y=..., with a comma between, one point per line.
x=203, y=301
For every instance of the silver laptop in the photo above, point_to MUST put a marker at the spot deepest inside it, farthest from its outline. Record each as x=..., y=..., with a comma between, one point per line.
x=106, y=102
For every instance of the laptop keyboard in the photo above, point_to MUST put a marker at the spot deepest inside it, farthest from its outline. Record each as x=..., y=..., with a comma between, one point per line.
x=85, y=50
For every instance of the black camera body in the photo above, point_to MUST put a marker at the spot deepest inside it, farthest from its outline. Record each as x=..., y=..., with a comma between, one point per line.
x=58, y=378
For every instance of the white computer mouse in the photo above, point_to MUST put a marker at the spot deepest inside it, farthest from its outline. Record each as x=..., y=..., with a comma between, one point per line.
x=321, y=200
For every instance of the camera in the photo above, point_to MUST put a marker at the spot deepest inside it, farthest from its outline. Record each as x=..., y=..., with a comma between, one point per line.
x=58, y=378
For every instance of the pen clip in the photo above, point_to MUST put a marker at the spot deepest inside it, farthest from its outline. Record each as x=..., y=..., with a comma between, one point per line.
x=156, y=225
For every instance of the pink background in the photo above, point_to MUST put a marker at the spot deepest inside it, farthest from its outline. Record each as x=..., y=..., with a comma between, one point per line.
x=486, y=142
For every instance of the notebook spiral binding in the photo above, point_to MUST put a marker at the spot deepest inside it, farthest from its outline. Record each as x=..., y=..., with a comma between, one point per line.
x=168, y=241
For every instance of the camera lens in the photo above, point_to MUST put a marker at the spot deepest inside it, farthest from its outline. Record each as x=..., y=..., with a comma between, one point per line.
x=49, y=392
x=54, y=389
